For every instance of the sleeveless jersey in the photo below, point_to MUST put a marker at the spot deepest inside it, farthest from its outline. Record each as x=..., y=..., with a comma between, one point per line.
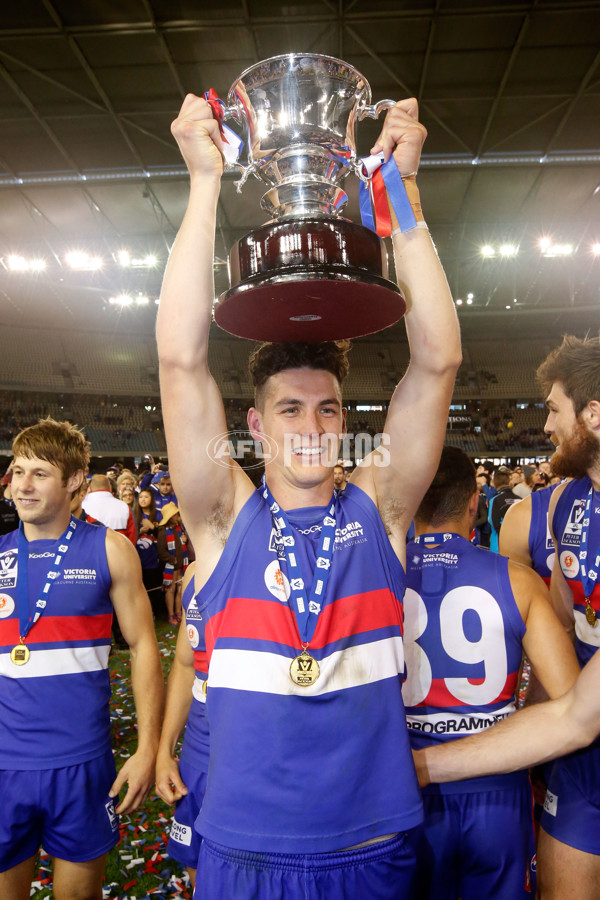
x=463, y=633
x=195, y=746
x=306, y=769
x=567, y=525
x=54, y=709
x=541, y=545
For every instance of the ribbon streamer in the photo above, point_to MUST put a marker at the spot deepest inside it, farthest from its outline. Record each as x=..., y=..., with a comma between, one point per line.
x=385, y=185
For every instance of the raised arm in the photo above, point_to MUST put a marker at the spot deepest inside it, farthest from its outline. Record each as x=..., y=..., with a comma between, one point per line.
x=533, y=735
x=418, y=411
x=192, y=407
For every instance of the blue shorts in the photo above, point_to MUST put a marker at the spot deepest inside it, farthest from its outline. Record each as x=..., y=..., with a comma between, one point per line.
x=67, y=811
x=184, y=841
x=572, y=808
x=478, y=845
x=383, y=871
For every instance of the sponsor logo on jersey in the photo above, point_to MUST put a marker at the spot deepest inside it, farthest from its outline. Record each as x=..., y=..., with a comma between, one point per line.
x=181, y=833
x=353, y=533
x=569, y=564
x=193, y=636
x=79, y=574
x=462, y=725
x=572, y=533
x=551, y=803
x=192, y=612
x=41, y=555
x=276, y=582
x=7, y=606
x=8, y=569
x=112, y=816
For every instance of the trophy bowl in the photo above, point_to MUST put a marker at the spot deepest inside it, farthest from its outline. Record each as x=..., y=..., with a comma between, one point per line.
x=308, y=274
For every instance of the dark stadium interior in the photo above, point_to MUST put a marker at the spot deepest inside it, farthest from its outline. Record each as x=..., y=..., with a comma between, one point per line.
x=509, y=93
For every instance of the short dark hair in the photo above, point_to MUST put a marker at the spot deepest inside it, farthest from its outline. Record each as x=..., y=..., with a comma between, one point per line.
x=270, y=359
x=502, y=476
x=451, y=489
x=576, y=366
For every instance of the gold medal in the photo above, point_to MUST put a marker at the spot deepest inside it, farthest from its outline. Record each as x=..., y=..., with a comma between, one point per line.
x=590, y=613
x=20, y=654
x=304, y=670
x=205, y=686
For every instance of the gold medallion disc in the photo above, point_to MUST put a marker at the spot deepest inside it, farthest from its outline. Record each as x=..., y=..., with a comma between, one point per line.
x=304, y=670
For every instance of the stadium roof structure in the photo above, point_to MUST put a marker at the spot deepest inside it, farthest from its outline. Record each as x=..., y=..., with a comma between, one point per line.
x=509, y=93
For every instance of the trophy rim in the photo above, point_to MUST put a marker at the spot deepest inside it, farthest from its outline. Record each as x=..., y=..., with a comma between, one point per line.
x=324, y=56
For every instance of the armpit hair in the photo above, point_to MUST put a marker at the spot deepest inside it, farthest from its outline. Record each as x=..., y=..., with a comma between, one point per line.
x=220, y=522
x=391, y=511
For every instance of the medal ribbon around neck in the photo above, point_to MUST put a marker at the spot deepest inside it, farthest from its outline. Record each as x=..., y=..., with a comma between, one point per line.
x=283, y=529
x=588, y=572
x=27, y=620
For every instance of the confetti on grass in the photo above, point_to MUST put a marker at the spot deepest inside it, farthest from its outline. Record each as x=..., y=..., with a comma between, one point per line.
x=138, y=868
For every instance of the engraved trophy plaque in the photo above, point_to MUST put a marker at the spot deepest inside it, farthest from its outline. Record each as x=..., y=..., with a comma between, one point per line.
x=308, y=274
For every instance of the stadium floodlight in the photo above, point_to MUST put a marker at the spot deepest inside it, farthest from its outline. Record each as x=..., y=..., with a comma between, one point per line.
x=121, y=300
x=123, y=258
x=37, y=265
x=17, y=263
x=508, y=250
x=488, y=251
x=79, y=259
x=596, y=249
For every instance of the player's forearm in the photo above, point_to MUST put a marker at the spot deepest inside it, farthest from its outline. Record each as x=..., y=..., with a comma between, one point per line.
x=534, y=735
x=431, y=321
x=187, y=295
x=177, y=709
x=148, y=693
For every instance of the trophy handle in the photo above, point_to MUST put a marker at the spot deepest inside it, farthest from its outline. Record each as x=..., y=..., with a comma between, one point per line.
x=372, y=112
x=233, y=112
x=369, y=112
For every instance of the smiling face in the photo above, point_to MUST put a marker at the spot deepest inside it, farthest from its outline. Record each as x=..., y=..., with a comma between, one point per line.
x=42, y=496
x=302, y=415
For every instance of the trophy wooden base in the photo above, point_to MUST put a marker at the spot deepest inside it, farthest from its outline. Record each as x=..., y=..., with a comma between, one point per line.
x=309, y=280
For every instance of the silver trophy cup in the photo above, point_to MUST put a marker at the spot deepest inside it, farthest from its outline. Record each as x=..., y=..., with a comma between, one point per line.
x=309, y=274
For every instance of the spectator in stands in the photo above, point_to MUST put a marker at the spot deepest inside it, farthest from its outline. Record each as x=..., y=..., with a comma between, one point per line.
x=518, y=484
x=127, y=495
x=164, y=488
x=339, y=477
x=145, y=515
x=100, y=505
x=500, y=503
x=172, y=551
x=9, y=519
x=126, y=479
x=77, y=509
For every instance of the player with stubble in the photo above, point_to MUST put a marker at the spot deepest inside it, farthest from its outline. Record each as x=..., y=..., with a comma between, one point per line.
x=310, y=779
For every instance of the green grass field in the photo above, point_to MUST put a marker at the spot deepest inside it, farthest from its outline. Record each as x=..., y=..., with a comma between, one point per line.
x=139, y=866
